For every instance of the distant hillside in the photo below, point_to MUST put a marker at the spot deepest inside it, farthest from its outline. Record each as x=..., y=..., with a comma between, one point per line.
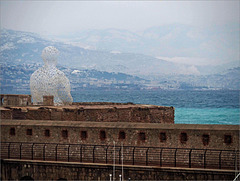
x=15, y=77
x=20, y=54
x=172, y=40
x=229, y=79
x=24, y=47
x=191, y=44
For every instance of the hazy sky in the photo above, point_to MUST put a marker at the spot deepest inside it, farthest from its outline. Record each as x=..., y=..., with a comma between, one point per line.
x=57, y=17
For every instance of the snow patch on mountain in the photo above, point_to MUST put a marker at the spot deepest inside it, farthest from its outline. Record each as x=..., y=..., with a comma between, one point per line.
x=7, y=46
x=76, y=72
x=26, y=40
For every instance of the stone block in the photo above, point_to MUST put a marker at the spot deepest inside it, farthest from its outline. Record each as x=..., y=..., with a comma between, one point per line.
x=56, y=114
x=39, y=114
x=69, y=114
x=6, y=114
x=48, y=100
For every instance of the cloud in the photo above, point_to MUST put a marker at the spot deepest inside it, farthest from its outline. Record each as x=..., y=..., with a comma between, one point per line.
x=191, y=60
x=189, y=70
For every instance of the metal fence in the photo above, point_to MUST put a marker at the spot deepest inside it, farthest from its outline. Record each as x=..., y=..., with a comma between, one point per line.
x=130, y=155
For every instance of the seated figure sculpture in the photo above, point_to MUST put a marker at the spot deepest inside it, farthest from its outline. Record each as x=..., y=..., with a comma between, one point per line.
x=48, y=80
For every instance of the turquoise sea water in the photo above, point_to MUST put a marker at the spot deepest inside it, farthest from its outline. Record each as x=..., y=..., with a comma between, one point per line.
x=191, y=107
x=207, y=116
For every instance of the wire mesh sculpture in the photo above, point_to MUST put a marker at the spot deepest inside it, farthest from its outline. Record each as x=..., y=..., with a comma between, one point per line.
x=48, y=80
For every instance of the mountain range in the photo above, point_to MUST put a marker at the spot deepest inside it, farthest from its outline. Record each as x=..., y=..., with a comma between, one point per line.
x=215, y=46
x=26, y=48
x=23, y=48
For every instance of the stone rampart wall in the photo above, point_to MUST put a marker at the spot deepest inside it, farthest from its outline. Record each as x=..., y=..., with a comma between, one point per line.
x=131, y=134
x=139, y=113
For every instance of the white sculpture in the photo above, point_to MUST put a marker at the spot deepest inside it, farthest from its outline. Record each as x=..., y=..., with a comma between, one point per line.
x=48, y=80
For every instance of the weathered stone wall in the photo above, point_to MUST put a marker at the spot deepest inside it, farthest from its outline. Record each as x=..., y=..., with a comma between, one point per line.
x=100, y=113
x=37, y=170
x=15, y=100
x=101, y=103
x=220, y=136
x=58, y=134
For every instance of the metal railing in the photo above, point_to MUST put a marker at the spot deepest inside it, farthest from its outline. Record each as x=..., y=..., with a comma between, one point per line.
x=132, y=155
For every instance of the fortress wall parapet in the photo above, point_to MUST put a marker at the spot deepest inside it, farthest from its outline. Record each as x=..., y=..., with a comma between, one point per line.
x=110, y=112
x=130, y=134
x=101, y=103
